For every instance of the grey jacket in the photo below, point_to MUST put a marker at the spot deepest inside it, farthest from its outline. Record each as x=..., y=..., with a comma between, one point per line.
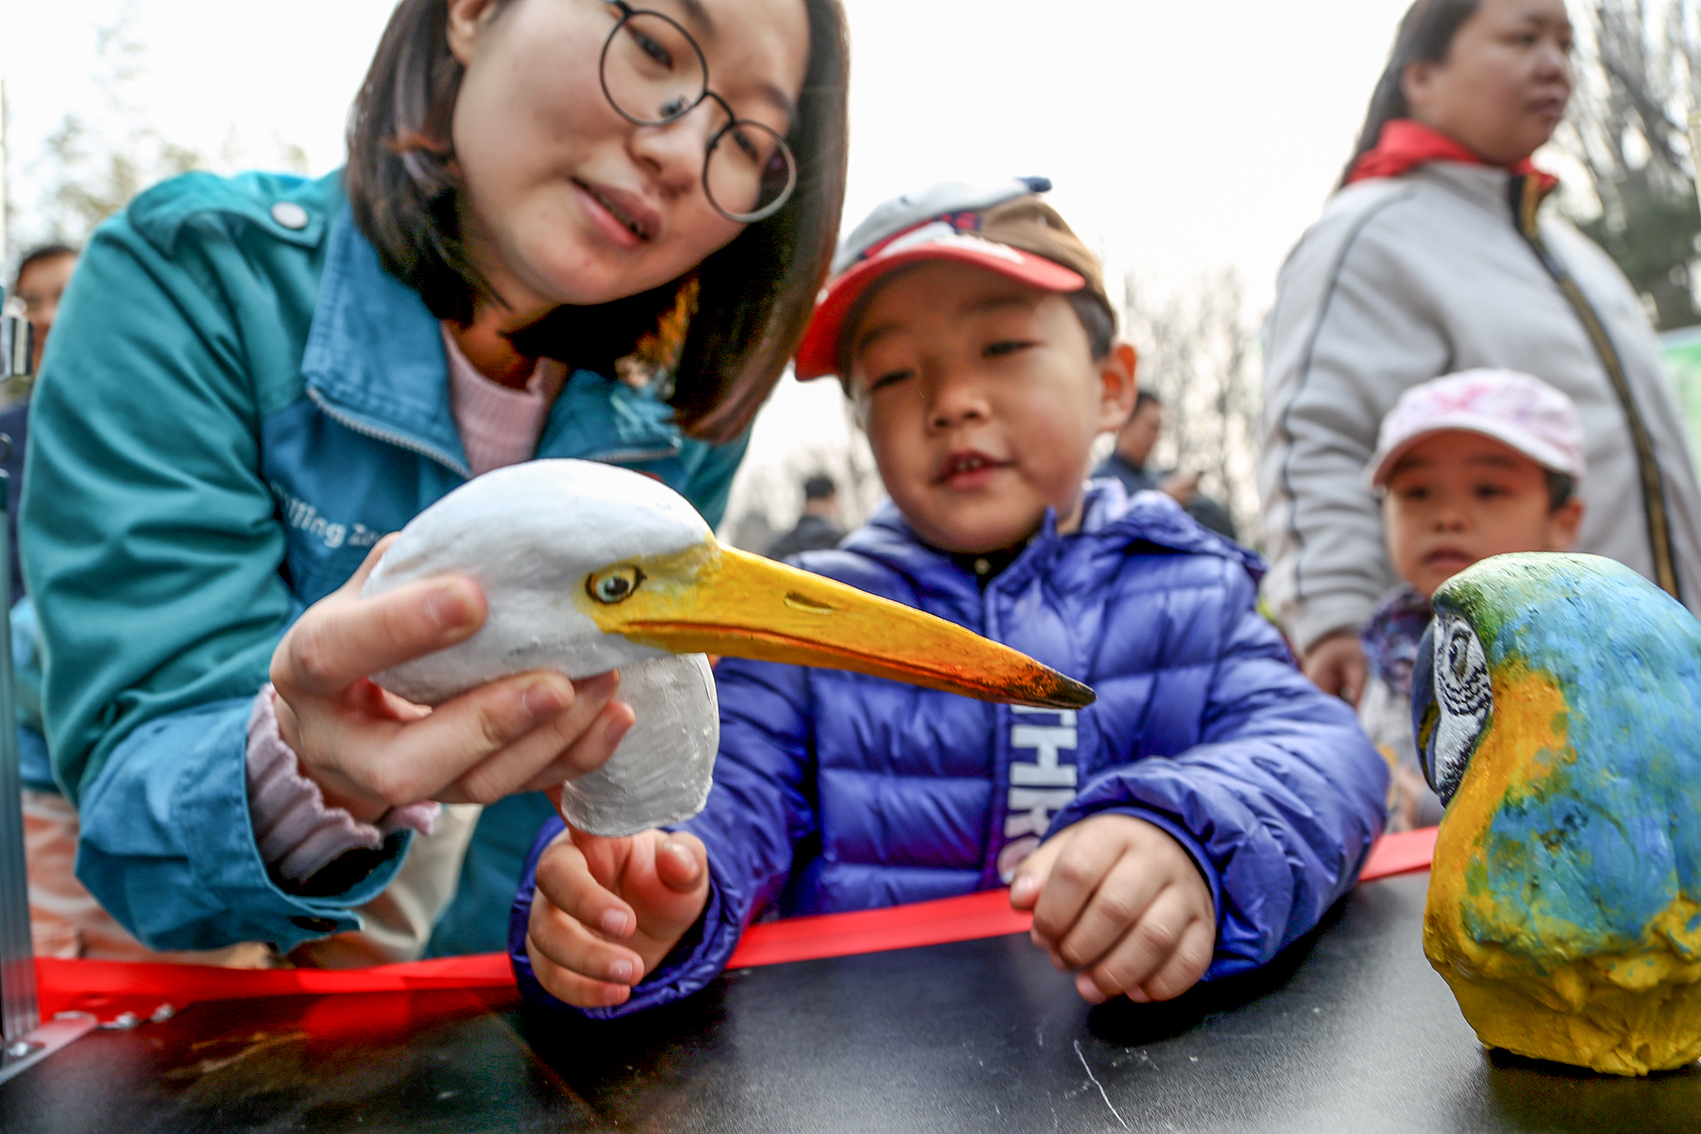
x=1407, y=279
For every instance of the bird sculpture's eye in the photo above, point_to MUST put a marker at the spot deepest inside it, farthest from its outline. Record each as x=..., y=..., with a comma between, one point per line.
x=615, y=585
x=1451, y=701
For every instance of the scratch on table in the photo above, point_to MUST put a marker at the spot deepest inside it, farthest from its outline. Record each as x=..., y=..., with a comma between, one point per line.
x=259, y=1042
x=1114, y=1112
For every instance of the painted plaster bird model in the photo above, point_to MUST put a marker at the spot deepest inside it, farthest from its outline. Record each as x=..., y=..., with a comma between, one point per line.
x=587, y=568
x=1557, y=700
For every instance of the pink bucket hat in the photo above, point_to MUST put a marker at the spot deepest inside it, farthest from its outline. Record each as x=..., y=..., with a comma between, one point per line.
x=1515, y=409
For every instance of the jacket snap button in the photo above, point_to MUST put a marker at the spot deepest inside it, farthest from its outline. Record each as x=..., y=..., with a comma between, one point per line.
x=289, y=214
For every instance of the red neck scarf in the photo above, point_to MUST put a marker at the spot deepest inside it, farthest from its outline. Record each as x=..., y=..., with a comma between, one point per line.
x=1405, y=144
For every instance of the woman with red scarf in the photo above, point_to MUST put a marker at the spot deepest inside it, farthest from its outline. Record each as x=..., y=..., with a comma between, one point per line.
x=1437, y=256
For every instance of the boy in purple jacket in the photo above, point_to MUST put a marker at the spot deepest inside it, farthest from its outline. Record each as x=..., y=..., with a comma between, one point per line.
x=1201, y=815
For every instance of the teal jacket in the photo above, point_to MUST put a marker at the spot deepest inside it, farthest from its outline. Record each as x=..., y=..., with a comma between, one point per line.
x=236, y=403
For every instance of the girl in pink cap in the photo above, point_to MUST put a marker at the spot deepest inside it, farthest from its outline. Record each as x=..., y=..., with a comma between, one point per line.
x=1468, y=466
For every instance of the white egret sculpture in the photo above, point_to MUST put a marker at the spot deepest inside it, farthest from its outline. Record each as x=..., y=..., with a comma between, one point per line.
x=587, y=568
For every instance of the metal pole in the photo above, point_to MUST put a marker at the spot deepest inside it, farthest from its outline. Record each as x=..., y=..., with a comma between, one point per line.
x=24, y=1042
x=18, y=1012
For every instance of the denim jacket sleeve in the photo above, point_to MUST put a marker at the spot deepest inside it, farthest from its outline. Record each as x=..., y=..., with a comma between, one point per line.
x=758, y=810
x=153, y=546
x=1279, y=803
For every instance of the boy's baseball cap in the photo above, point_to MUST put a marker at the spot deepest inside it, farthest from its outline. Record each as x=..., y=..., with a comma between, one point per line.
x=1519, y=411
x=1004, y=228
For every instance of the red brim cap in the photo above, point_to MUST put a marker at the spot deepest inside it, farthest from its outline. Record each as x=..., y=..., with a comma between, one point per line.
x=818, y=355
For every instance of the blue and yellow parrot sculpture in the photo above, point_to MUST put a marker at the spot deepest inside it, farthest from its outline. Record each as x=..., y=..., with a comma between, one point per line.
x=1557, y=702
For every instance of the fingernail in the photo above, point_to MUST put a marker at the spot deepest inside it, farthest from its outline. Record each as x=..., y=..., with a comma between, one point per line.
x=617, y=728
x=620, y=972
x=448, y=608
x=602, y=685
x=1023, y=888
x=544, y=700
x=614, y=923
x=682, y=854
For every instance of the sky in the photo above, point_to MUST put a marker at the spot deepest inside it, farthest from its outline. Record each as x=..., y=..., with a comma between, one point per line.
x=1181, y=137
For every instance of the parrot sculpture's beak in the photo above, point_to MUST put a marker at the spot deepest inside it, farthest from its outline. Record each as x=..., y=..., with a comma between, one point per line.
x=714, y=599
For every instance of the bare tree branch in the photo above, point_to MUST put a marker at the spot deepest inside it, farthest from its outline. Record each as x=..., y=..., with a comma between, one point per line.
x=1638, y=77
x=1197, y=351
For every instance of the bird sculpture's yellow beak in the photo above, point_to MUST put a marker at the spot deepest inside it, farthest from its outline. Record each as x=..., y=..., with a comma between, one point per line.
x=714, y=599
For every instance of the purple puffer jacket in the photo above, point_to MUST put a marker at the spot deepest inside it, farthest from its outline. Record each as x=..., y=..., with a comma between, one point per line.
x=835, y=791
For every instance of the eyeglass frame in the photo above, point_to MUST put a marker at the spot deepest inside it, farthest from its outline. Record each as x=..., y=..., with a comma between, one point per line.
x=627, y=13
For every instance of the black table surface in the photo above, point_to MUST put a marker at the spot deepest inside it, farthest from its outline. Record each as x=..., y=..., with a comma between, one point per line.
x=1349, y=1031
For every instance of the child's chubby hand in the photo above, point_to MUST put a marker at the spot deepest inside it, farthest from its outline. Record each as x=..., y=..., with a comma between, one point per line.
x=1122, y=905
x=608, y=910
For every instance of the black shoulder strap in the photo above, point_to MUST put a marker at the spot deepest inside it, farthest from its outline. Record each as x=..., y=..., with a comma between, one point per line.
x=1527, y=195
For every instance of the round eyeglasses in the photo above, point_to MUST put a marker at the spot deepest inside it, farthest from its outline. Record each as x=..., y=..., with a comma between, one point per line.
x=653, y=72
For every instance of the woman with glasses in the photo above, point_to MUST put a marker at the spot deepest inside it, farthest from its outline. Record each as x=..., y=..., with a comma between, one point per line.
x=567, y=228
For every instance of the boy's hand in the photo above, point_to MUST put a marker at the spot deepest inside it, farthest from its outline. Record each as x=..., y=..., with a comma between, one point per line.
x=608, y=910
x=1336, y=664
x=1120, y=903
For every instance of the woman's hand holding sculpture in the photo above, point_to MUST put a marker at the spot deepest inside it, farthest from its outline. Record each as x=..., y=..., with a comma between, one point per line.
x=370, y=751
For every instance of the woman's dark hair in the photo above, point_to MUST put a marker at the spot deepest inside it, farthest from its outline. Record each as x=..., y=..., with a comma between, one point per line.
x=405, y=196
x=1425, y=36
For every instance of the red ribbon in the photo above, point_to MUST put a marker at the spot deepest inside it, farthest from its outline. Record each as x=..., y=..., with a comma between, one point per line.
x=108, y=988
